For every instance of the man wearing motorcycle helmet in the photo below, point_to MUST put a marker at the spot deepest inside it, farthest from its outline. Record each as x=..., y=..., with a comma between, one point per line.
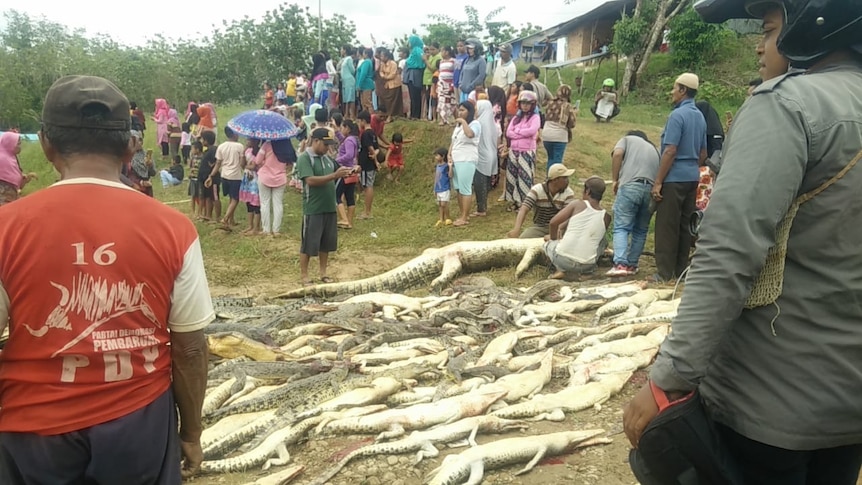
x=777, y=358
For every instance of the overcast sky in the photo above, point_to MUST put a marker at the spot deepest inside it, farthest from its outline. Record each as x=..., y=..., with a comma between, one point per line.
x=133, y=23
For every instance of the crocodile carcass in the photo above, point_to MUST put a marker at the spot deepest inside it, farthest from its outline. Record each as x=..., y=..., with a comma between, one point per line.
x=437, y=265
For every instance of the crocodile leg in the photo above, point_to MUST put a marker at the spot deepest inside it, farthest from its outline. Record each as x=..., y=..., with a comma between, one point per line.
x=477, y=472
x=283, y=457
x=452, y=266
x=394, y=431
x=530, y=257
x=532, y=464
x=555, y=415
x=248, y=384
x=428, y=450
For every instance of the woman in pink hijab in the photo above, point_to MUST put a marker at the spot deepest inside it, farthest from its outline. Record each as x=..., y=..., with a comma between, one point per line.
x=160, y=117
x=12, y=179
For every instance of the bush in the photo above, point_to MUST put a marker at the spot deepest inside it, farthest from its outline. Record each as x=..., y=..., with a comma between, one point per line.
x=694, y=42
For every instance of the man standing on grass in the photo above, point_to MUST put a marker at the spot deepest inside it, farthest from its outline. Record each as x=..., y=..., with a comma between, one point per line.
x=506, y=71
x=319, y=221
x=683, y=145
x=634, y=166
x=543, y=94
x=90, y=387
x=230, y=161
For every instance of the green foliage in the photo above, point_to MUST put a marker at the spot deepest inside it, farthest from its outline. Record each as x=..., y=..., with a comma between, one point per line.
x=448, y=30
x=631, y=31
x=528, y=29
x=693, y=41
x=229, y=64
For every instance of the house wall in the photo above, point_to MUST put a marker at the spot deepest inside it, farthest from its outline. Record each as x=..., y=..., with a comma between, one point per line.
x=582, y=39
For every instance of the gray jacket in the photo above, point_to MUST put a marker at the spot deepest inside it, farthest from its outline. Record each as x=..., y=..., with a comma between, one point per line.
x=788, y=375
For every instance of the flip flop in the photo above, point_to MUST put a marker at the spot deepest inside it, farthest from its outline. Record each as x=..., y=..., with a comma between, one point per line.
x=308, y=283
x=327, y=279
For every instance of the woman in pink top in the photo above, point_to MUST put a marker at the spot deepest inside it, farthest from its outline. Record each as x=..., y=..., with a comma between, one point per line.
x=522, y=133
x=160, y=116
x=12, y=179
x=272, y=165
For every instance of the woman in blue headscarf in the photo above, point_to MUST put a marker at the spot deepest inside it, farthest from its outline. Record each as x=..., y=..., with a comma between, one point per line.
x=414, y=69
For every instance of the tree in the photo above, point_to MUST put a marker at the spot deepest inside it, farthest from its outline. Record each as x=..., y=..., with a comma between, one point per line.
x=528, y=29
x=693, y=40
x=448, y=31
x=227, y=63
x=637, y=35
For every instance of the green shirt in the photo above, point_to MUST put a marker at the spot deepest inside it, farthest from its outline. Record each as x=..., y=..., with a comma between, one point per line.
x=320, y=199
x=428, y=75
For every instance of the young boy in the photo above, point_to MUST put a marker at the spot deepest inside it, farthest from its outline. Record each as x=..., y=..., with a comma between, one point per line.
x=197, y=151
x=174, y=174
x=368, y=160
x=230, y=162
x=442, y=184
x=186, y=142
x=290, y=90
x=208, y=184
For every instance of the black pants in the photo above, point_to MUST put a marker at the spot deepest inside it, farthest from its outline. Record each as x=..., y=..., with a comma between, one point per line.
x=415, y=101
x=186, y=151
x=481, y=186
x=141, y=448
x=762, y=464
x=164, y=148
x=672, y=235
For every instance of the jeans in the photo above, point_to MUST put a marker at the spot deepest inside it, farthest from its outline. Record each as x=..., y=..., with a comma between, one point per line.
x=556, y=150
x=563, y=263
x=271, y=208
x=168, y=179
x=631, y=220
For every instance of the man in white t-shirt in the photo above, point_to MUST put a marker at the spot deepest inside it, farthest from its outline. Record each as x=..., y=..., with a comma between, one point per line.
x=506, y=72
x=230, y=161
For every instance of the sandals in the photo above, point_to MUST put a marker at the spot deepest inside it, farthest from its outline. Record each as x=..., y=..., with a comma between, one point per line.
x=327, y=279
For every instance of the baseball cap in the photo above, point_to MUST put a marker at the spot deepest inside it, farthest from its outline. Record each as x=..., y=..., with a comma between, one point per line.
x=534, y=70
x=325, y=135
x=558, y=170
x=688, y=80
x=68, y=97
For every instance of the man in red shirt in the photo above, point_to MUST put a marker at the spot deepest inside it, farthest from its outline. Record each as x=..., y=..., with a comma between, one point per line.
x=105, y=296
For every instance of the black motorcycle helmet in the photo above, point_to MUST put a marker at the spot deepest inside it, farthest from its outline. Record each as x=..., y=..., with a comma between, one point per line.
x=812, y=28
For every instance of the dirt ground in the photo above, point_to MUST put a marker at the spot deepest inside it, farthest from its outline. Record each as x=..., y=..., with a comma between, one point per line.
x=597, y=465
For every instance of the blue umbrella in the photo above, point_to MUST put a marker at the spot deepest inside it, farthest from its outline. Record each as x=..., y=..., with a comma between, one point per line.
x=263, y=125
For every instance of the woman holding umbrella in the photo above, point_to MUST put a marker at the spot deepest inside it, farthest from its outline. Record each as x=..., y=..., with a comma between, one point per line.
x=273, y=161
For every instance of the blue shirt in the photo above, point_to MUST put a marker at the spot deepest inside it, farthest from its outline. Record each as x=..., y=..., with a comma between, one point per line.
x=456, y=74
x=441, y=179
x=685, y=129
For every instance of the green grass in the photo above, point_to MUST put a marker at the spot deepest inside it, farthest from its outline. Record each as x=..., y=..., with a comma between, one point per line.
x=404, y=214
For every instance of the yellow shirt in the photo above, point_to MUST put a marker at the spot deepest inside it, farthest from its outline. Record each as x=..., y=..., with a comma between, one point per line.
x=290, y=90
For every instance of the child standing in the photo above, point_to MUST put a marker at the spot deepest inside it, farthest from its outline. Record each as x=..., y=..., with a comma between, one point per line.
x=279, y=93
x=196, y=152
x=442, y=185
x=395, y=157
x=248, y=189
x=369, y=150
x=207, y=180
x=268, y=96
x=290, y=90
x=186, y=142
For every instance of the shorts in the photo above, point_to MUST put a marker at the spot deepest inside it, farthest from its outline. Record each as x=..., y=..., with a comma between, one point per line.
x=230, y=188
x=443, y=196
x=99, y=454
x=206, y=193
x=319, y=233
x=252, y=209
x=463, y=180
x=366, y=178
x=194, y=189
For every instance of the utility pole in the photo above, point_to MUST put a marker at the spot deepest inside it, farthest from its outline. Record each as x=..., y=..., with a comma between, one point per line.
x=319, y=25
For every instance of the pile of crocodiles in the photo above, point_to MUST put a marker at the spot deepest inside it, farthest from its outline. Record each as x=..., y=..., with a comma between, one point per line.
x=411, y=375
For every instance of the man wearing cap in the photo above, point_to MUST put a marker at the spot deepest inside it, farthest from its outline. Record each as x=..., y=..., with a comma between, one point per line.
x=105, y=312
x=318, y=173
x=506, y=71
x=768, y=327
x=683, y=147
x=546, y=200
x=577, y=233
x=531, y=75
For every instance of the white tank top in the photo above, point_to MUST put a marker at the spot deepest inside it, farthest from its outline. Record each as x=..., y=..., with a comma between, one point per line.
x=581, y=240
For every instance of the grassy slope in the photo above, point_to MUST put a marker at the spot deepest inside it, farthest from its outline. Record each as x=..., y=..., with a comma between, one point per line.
x=404, y=214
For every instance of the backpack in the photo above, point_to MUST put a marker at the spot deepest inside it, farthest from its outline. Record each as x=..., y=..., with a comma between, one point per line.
x=681, y=447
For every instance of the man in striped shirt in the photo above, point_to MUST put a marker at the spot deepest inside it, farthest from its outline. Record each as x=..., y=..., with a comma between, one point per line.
x=546, y=199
